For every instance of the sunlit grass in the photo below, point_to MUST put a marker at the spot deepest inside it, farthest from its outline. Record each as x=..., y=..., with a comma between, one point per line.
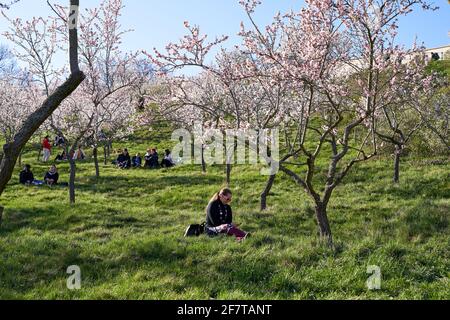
x=126, y=234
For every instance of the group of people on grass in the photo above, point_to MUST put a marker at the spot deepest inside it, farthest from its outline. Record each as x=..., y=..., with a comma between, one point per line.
x=60, y=142
x=219, y=216
x=150, y=160
x=51, y=177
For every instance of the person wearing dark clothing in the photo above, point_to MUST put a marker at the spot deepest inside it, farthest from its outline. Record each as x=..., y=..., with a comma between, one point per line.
x=59, y=141
x=219, y=216
x=26, y=176
x=147, y=158
x=124, y=160
x=79, y=154
x=167, y=161
x=136, y=161
x=61, y=157
x=52, y=176
x=152, y=159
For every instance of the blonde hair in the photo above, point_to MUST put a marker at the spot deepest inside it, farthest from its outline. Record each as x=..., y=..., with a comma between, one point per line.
x=224, y=192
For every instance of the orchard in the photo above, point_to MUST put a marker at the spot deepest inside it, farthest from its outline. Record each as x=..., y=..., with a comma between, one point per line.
x=328, y=134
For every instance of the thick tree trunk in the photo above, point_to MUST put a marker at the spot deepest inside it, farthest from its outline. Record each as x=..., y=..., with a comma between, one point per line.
x=324, y=225
x=73, y=169
x=397, y=156
x=97, y=168
x=266, y=192
x=20, y=159
x=7, y=166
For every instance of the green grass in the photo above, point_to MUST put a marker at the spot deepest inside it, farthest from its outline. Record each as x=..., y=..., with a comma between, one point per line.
x=126, y=234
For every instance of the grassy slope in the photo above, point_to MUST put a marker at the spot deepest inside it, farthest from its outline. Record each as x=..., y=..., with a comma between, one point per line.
x=126, y=234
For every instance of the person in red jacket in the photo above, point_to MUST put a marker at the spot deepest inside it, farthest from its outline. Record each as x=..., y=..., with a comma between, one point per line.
x=46, y=148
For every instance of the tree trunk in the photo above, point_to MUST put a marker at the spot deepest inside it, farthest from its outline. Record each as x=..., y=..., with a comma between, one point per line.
x=229, y=168
x=229, y=156
x=397, y=155
x=73, y=169
x=33, y=122
x=20, y=159
x=39, y=154
x=203, y=160
x=105, y=155
x=97, y=168
x=324, y=225
x=266, y=192
x=37, y=118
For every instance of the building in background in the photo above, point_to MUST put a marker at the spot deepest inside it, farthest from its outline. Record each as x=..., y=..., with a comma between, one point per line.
x=439, y=53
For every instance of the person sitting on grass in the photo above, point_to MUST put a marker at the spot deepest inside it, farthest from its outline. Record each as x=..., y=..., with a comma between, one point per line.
x=52, y=176
x=26, y=175
x=219, y=217
x=167, y=161
x=79, y=154
x=61, y=157
x=136, y=162
x=151, y=159
x=124, y=160
x=59, y=141
x=154, y=161
x=147, y=158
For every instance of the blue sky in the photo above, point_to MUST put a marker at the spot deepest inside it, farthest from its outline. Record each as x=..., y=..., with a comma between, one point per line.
x=157, y=22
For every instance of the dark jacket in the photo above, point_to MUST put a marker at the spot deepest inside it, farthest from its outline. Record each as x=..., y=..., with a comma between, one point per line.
x=54, y=177
x=26, y=177
x=124, y=160
x=218, y=214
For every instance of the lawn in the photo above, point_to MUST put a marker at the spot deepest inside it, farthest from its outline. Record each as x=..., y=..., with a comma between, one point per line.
x=126, y=234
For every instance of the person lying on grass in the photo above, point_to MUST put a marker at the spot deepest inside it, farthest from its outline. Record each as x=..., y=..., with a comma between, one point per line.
x=52, y=176
x=219, y=217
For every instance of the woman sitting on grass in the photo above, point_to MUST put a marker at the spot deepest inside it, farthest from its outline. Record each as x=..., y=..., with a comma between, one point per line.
x=219, y=217
x=26, y=175
x=168, y=160
x=79, y=154
x=61, y=157
x=124, y=160
x=52, y=176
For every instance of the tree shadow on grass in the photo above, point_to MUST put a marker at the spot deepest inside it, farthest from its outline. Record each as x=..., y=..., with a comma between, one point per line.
x=425, y=220
x=49, y=220
x=431, y=188
x=122, y=187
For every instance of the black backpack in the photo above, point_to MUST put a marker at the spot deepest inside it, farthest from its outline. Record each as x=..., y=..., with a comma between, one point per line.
x=195, y=230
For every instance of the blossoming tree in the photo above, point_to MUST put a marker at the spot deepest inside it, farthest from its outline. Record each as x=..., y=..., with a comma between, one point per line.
x=12, y=149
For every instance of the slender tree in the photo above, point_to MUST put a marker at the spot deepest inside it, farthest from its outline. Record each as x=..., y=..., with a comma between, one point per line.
x=12, y=150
